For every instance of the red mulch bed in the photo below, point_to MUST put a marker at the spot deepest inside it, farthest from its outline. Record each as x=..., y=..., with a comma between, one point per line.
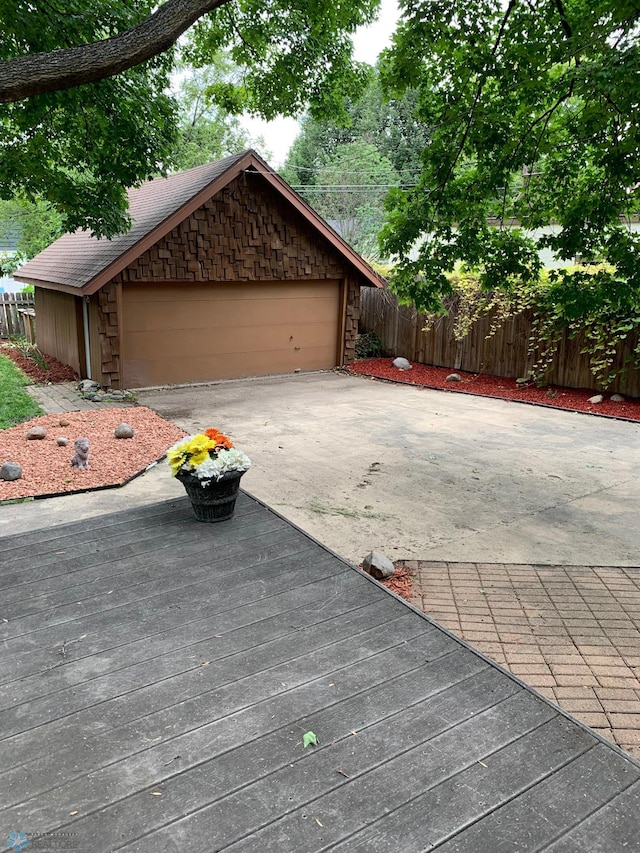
x=574, y=399
x=56, y=371
x=401, y=583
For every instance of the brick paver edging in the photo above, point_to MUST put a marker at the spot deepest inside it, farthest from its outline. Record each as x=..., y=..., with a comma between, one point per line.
x=571, y=632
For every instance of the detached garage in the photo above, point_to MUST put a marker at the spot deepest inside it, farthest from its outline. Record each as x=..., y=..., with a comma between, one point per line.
x=226, y=272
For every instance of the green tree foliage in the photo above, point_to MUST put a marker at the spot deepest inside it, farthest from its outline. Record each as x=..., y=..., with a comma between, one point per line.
x=344, y=168
x=386, y=122
x=8, y=263
x=295, y=53
x=205, y=131
x=349, y=191
x=533, y=115
x=35, y=225
x=81, y=147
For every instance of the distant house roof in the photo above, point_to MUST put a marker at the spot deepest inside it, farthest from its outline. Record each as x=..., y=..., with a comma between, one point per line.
x=80, y=263
x=9, y=240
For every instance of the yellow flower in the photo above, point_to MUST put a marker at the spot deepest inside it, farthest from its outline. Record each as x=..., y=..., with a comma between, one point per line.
x=191, y=453
x=199, y=444
x=176, y=458
x=198, y=457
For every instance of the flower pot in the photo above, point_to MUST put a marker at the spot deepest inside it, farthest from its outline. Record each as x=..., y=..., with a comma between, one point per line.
x=215, y=501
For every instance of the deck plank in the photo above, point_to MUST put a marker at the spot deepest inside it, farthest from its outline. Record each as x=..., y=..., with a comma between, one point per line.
x=534, y=819
x=611, y=828
x=157, y=675
x=277, y=775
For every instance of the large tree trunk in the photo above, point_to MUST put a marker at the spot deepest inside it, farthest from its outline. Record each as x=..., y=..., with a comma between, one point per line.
x=63, y=69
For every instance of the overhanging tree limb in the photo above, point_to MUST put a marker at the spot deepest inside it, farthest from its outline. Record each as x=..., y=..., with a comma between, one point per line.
x=34, y=74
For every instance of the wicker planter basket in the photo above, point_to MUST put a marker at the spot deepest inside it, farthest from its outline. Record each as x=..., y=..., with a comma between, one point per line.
x=216, y=501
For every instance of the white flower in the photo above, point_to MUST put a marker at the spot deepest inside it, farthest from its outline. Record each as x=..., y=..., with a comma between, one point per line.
x=182, y=441
x=222, y=463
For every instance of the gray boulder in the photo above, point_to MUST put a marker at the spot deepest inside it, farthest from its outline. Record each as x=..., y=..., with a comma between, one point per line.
x=10, y=471
x=378, y=566
x=61, y=441
x=401, y=363
x=617, y=398
x=453, y=377
x=123, y=431
x=36, y=433
x=88, y=385
x=597, y=398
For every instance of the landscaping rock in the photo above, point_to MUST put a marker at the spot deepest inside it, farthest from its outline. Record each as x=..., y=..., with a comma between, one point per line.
x=453, y=377
x=36, y=433
x=88, y=385
x=378, y=566
x=96, y=398
x=617, y=398
x=63, y=422
x=401, y=363
x=10, y=471
x=597, y=398
x=61, y=441
x=123, y=431
x=116, y=396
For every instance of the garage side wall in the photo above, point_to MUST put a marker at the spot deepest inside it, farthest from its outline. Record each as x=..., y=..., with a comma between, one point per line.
x=244, y=233
x=58, y=329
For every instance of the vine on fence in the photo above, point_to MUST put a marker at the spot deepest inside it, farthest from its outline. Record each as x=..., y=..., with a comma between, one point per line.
x=581, y=300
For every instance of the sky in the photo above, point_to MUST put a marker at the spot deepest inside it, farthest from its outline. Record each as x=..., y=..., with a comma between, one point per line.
x=368, y=42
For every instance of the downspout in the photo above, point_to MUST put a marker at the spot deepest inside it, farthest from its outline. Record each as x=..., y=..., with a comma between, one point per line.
x=85, y=323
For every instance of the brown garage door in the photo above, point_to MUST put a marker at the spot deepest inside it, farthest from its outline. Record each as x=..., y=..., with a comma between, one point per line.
x=176, y=333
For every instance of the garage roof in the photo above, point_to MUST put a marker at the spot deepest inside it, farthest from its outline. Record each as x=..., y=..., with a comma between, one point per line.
x=80, y=263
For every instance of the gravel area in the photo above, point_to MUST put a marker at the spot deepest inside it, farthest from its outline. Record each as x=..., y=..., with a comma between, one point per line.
x=47, y=467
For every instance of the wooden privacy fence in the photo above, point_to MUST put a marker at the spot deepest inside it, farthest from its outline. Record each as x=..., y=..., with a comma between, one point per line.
x=400, y=328
x=16, y=315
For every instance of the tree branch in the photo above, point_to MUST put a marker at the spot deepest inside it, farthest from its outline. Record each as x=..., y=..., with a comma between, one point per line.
x=564, y=21
x=476, y=99
x=34, y=74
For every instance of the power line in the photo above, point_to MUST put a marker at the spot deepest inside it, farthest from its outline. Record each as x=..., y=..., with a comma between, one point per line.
x=325, y=170
x=354, y=187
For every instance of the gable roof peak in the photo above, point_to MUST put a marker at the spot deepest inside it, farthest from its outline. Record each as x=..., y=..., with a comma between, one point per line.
x=81, y=263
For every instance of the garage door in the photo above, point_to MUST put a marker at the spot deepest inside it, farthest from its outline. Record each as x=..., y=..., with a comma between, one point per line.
x=176, y=333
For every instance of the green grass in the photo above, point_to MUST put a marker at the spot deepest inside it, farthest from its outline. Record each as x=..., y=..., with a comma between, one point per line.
x=16, y=405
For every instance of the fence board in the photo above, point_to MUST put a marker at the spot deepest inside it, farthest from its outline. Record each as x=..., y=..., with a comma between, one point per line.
x=12, y=322
x=505, y=353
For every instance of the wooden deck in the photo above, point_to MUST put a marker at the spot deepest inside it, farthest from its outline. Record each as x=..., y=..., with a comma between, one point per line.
x=157, y=676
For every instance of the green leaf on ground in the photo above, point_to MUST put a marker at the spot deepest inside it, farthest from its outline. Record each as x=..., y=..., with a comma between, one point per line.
x=309, y=738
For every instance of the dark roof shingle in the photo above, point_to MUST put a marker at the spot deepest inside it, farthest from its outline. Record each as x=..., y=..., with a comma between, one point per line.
x=80, y=262
x=75, y=259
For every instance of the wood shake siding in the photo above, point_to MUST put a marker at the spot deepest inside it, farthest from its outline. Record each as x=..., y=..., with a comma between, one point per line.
x=109, y=333
x=244, y=233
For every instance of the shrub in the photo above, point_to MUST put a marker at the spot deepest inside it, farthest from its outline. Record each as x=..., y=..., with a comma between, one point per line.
x=369, y=345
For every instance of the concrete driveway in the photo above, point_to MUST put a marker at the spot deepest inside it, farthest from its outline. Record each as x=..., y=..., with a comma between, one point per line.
x=422, y=474
x=362, y=464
